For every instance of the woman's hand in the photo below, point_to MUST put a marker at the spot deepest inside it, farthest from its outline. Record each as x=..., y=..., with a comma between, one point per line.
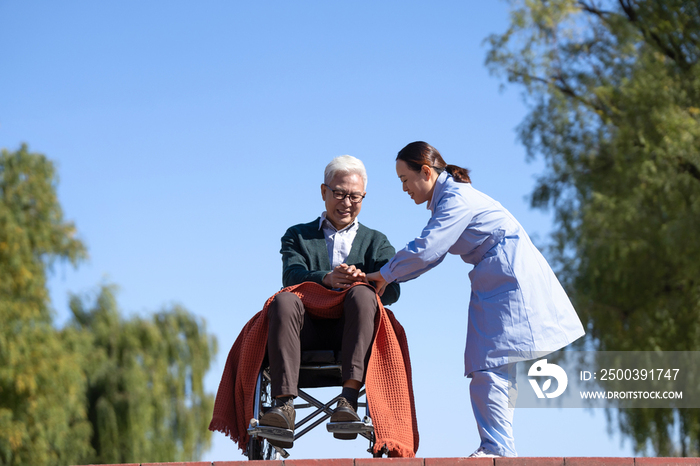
x=379, y=282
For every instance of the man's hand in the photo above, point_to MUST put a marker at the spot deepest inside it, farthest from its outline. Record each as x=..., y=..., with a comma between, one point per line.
x=343, y=276
x=379, y=282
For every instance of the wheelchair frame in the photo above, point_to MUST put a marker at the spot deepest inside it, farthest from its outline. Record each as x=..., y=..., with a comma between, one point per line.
x=259, y=447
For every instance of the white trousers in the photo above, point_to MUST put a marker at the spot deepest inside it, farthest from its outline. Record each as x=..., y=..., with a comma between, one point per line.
x=491, y=390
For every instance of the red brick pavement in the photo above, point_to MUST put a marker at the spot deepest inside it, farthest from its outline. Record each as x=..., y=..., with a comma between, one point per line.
x=547, y=461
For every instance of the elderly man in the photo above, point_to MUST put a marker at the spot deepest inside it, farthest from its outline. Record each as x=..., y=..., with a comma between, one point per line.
x=334, y=250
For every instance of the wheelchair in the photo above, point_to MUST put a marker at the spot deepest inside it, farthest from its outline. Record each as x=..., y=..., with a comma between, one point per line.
x=317, y=369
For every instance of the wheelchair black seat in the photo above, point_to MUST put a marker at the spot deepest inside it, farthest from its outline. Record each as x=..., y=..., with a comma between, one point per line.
x=320, y=368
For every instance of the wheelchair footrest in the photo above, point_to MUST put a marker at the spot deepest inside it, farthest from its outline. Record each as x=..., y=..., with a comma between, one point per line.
x=272, y=433
x=351, y=427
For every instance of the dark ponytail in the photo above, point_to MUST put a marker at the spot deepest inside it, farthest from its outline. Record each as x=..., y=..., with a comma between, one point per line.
x=419, y=153
x=461, y=175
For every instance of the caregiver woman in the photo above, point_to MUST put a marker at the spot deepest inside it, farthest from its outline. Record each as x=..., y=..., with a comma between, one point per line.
x=517, y=310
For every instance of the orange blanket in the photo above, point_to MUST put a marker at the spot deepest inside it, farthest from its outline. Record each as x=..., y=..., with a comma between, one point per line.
x=388, y=382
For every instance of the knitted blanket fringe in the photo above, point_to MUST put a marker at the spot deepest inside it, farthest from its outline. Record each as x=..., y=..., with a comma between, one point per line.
x=389, y=382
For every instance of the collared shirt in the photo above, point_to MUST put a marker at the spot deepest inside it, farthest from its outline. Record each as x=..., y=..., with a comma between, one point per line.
x=338, y=243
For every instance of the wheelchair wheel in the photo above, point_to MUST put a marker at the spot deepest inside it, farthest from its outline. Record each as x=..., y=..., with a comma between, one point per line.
x=255, y=449
x=259, y=448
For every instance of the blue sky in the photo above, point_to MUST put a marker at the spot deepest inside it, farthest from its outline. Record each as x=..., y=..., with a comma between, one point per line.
x=189, y=135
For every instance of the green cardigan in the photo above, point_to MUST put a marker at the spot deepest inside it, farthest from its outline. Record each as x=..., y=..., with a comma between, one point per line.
x=305, y=255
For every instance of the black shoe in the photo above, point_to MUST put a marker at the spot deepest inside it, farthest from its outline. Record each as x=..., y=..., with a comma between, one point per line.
x=345, y=412
x=281, y=415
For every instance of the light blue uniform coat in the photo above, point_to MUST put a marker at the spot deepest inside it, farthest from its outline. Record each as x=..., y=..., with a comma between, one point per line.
x=517, y=305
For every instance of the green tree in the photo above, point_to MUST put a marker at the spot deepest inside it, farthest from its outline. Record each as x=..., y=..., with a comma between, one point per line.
x=146, y=398
x=614, y=91
x=104, y=388
x=42, y=384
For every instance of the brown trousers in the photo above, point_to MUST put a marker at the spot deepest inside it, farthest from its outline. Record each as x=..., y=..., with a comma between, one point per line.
x=292, y=330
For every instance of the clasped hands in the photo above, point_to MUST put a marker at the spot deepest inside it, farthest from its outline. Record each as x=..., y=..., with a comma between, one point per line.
x=344, y=275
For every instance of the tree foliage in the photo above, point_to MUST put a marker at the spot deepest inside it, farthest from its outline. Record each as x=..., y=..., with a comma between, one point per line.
x=614, y=91
x=104, y=388
x=38, y=423
x=145, y=392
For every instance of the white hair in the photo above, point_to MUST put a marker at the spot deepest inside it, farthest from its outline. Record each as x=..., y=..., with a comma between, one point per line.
x=346, y=165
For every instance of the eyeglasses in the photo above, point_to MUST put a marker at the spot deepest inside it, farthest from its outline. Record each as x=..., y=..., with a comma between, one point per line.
x=340, y=195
